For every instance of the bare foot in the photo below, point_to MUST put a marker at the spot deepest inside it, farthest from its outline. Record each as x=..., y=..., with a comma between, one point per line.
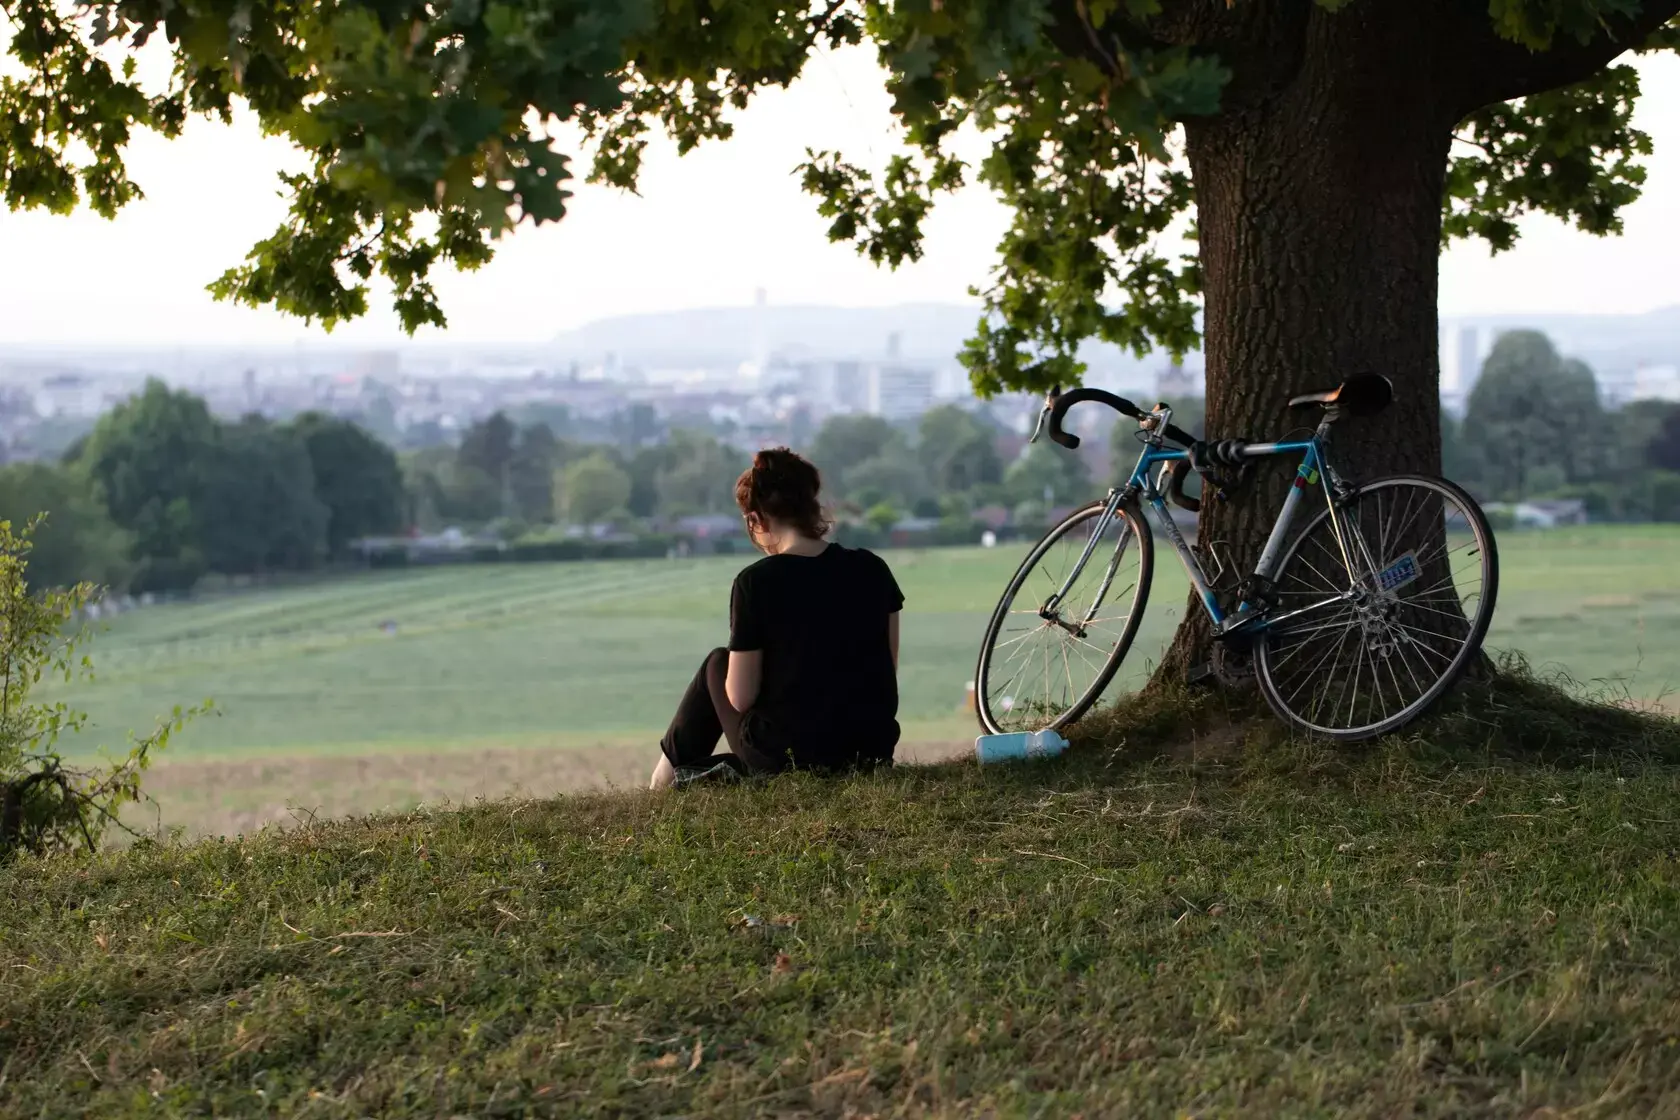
x=663, y=774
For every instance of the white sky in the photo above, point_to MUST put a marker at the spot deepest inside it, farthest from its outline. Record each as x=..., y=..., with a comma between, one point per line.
x=706, y=231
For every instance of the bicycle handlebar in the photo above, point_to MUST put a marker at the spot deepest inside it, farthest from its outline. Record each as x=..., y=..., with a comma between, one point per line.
x=1064, y=401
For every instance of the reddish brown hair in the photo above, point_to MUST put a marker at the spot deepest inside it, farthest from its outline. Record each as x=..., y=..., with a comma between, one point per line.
x=782, y=486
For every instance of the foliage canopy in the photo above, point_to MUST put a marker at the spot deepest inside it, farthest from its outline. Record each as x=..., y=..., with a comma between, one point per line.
x=430, y=128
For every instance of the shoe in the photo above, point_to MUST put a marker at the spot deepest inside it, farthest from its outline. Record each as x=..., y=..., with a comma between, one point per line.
x=695, y=775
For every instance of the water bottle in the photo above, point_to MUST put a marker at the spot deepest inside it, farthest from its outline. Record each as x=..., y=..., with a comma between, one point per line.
x=1019, y=744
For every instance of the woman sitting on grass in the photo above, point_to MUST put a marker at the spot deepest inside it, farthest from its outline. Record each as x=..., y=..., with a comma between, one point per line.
x=810, y=678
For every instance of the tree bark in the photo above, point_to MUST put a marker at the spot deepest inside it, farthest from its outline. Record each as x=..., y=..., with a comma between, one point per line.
x=1319, y=219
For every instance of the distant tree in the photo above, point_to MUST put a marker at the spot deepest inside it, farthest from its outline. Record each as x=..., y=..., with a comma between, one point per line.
x=422, y=471
x=593, y=489
x=77, y=542
x=957, y=450
x=643, y=467
x=634, y=427
x=467, y=494
x=881, y=516
x=1526, y=417
x=531, y=471
x=260, y=512
x=1458, y=461
x=149, y=459
x=424, y=434
x=1047, y=471
x=378, y=417
x=442, y=491
x=357, y=479
x=698, y=475
x=1663, y=448
x=556, y=417
x=488, y=446
x=894, y=477
x=845, y=441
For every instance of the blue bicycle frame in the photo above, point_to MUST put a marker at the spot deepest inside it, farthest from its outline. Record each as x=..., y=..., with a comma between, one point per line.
x=1146, y=482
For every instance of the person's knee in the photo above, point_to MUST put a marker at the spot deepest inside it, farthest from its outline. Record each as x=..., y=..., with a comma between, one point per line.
x=718, y=660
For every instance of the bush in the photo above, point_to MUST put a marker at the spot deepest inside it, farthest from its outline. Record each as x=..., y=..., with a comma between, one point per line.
x=46, y=805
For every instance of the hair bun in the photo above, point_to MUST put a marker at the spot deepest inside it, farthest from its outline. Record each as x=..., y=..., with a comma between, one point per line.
x=783, y=485
x=776, y=459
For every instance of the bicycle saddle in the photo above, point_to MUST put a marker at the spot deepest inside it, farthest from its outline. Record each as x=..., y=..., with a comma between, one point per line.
x=1360, y=395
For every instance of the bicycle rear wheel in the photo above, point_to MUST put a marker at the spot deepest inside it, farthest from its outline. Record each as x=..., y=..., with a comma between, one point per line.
x=1043, y=663
x=1379, y=609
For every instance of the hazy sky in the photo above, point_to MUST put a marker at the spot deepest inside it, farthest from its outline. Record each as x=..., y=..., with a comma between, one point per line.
x=706, y=230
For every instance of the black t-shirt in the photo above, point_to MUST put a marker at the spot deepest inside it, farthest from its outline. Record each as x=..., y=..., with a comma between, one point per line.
x=828, y=693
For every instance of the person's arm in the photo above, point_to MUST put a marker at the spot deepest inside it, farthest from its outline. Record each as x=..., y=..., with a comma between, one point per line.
x=746, y=671
x=892, y=636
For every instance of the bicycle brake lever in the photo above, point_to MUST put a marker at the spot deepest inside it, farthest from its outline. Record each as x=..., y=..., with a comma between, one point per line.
x=1039, y=428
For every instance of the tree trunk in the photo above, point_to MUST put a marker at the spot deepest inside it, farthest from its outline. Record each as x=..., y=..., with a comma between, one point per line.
x=1319, y=218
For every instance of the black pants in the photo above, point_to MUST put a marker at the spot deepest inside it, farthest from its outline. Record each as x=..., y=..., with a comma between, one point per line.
x=706, y=716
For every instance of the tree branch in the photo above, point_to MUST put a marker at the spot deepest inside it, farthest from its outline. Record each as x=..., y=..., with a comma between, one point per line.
x=1491, y=69
x=1262, y=42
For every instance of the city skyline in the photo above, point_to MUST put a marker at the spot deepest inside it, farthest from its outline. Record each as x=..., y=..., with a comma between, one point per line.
x=707, y=230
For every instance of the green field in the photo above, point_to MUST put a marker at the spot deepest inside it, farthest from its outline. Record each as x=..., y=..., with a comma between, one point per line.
x=527, y=658
x=599, y=652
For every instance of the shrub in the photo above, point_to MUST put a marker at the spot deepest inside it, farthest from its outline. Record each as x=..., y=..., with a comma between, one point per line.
x=47, y=804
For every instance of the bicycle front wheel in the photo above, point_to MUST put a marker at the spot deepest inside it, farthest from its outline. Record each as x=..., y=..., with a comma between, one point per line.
x=1044, y=659
x=1380, y=608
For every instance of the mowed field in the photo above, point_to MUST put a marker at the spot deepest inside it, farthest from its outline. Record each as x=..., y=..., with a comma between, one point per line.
x=546, y=677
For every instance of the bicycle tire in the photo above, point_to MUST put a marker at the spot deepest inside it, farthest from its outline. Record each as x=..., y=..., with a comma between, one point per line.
x=1142, y=540
x=1488, y=592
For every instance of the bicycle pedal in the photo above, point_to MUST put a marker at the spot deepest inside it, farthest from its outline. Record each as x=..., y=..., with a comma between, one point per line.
x=1201, y=674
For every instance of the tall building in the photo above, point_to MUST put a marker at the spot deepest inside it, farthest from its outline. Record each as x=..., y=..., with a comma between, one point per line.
x=899, y=392
x=1469, y=364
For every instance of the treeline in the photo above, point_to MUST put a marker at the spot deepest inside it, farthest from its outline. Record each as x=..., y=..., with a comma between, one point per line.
x=161, y=493
x=1535, y=427
x=516, y=479
x=946, y=467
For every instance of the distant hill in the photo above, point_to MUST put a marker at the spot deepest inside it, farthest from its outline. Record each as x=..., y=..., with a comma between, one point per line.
x=934, y=332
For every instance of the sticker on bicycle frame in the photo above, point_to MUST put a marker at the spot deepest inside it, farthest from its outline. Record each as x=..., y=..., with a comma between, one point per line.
x=1398, y=574
x=1308, y=473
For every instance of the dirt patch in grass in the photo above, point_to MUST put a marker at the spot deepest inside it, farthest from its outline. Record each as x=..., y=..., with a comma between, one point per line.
x=229, y=797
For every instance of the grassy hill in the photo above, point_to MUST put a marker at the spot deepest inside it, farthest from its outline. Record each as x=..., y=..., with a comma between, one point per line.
x=1185, y=916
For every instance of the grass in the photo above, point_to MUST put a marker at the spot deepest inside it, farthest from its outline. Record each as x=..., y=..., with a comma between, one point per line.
x=553, y=674
x=1188, y=916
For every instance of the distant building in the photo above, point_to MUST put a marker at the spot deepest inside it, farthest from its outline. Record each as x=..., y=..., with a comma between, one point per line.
x=70, y=394
x=380, y=363
x=1656, y=383
x=899, y=392
x=1469, y=364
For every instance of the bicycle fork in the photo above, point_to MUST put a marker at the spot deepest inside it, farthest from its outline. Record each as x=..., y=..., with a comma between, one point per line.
x=1050, y=611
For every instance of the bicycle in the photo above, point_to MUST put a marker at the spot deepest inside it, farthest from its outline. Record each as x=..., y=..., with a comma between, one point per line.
x=1352, y=627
